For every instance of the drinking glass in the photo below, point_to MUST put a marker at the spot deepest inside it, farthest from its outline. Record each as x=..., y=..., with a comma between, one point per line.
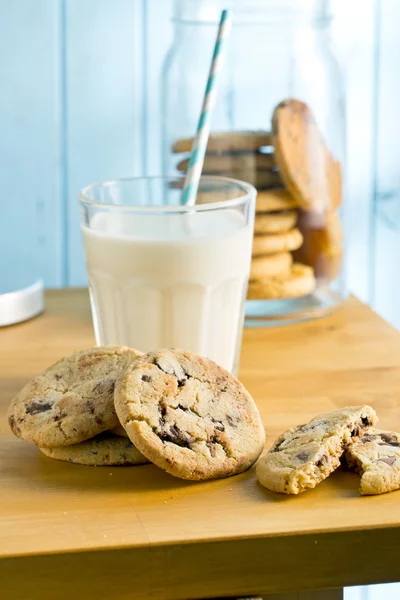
x=162, y=274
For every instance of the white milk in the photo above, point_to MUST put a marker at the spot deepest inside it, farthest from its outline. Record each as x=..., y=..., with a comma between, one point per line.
x=160, y=281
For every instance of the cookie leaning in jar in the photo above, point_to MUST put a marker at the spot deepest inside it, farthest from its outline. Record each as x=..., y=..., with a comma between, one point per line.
x=323, y=244
x=309, y=171
x=73, y=400
x=305, y=455
x=189, y=416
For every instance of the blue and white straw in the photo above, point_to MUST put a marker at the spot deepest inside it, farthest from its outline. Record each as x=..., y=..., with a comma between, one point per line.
x=199, y=146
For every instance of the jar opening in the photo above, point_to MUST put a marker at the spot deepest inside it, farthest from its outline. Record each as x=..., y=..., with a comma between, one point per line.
x=253, y=12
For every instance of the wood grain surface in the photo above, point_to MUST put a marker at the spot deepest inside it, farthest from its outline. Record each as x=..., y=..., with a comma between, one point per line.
x=138, y=532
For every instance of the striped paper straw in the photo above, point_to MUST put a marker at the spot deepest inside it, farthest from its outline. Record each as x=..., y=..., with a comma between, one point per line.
x=199, y=146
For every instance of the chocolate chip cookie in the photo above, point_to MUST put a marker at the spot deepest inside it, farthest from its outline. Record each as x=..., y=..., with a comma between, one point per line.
x=104, y=450
x=305, y=455
x=376, y=457
x=73, y=400
x=189, y=416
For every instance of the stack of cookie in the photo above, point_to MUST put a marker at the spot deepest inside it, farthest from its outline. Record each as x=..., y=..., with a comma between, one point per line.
x=297, y=234
x=248, y=156
x=276, y=236
x=112, y=405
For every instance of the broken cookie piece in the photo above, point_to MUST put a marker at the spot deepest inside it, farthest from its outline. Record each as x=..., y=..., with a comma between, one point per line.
x=189, y=416
x=305, y=455
x=376, y=457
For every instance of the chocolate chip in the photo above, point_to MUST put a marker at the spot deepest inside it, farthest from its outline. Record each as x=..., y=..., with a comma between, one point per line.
x=278, y=446
x=104, y=387
x=308, y=427
x=232, y=420
x=39, y=406
x=13, y=425
x=219, y=426
x=184, y=408
x=389, y=440
x=90, y=406
x=211, y=447
x=303, y=456
x=57, y=377
x=99, y=421
x=146, y=378
x=355, y=431
x=181, y=382
x=366, y=422
x=387, y=461
x=368, y=437
x=163, y=411
x=175, y=436
x=167, y=372
x=322, y=461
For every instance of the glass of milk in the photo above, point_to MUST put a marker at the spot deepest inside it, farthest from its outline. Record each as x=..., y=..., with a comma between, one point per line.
x=165, y=275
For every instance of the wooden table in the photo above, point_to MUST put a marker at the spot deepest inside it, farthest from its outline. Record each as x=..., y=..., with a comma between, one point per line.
x=69, y=531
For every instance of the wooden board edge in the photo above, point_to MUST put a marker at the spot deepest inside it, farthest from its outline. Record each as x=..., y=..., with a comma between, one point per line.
x=210, y=569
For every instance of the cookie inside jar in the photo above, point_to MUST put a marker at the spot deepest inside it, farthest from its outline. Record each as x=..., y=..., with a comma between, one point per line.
x=298, y=246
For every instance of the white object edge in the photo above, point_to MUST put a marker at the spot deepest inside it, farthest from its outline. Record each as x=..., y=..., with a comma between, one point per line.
x=21, y=305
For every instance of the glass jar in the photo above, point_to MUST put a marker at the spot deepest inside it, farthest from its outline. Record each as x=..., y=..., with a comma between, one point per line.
x=279, y=124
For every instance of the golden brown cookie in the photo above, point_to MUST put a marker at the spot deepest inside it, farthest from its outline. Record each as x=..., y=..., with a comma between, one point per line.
x=264, y=267
x=308, y=170
x=300, y=282
x=73, y=400
x=228, y=141
x=278, y=222
x=322, y=247
x=229, y=164
x=189, y=416
x=274, y=200
x=305, y=455
x=376, y=457
x=104, y=450
x=277, y=242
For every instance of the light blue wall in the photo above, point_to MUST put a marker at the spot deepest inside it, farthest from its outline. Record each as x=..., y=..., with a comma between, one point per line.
x=71, y=112
x=31, y=226
x=80, y=101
